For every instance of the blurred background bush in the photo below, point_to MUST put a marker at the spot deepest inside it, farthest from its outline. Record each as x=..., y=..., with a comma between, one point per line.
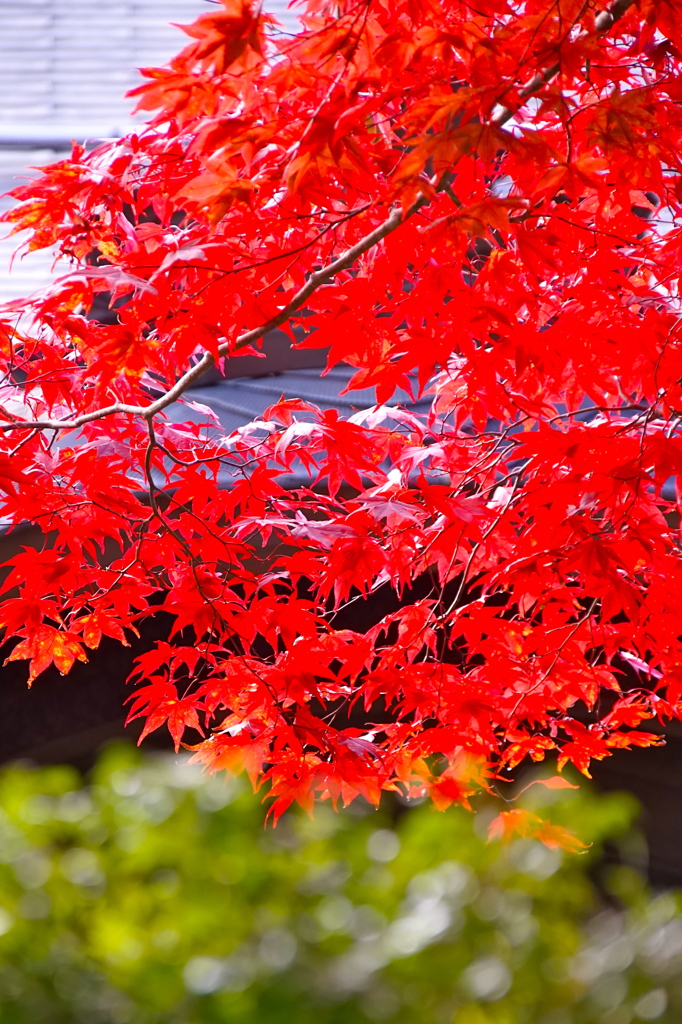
x=154, y=894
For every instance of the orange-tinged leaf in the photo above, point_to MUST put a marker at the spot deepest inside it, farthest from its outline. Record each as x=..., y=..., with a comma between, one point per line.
x=558, y=837
x=526, y=825
x=46, y=647
x=516, y=822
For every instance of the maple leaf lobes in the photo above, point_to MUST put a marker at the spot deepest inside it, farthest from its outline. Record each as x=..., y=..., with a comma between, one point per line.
x=475, y=209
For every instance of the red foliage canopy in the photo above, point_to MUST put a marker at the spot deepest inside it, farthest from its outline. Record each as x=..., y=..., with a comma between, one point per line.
x=479, y=201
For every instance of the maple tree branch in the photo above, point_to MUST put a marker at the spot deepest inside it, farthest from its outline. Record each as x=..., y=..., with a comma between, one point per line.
x=582, y=619
x=602, y=24
x=153, y=490
x=316, y=279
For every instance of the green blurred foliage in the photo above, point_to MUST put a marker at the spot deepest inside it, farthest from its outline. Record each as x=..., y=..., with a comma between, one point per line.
x=154, y=894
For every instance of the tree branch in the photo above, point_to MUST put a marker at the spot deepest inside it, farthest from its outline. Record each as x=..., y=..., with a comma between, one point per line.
x=603, y=23
x=316, y=279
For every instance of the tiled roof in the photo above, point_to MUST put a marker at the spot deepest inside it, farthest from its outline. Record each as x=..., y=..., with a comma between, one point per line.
x=238, y=402
x=65, y=66
x=29, y=275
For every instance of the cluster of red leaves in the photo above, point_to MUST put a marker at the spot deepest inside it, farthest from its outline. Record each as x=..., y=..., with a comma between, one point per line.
x=477, y=200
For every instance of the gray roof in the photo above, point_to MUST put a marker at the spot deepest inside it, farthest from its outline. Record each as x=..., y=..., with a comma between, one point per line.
x=65, y=66
x=240, y=401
